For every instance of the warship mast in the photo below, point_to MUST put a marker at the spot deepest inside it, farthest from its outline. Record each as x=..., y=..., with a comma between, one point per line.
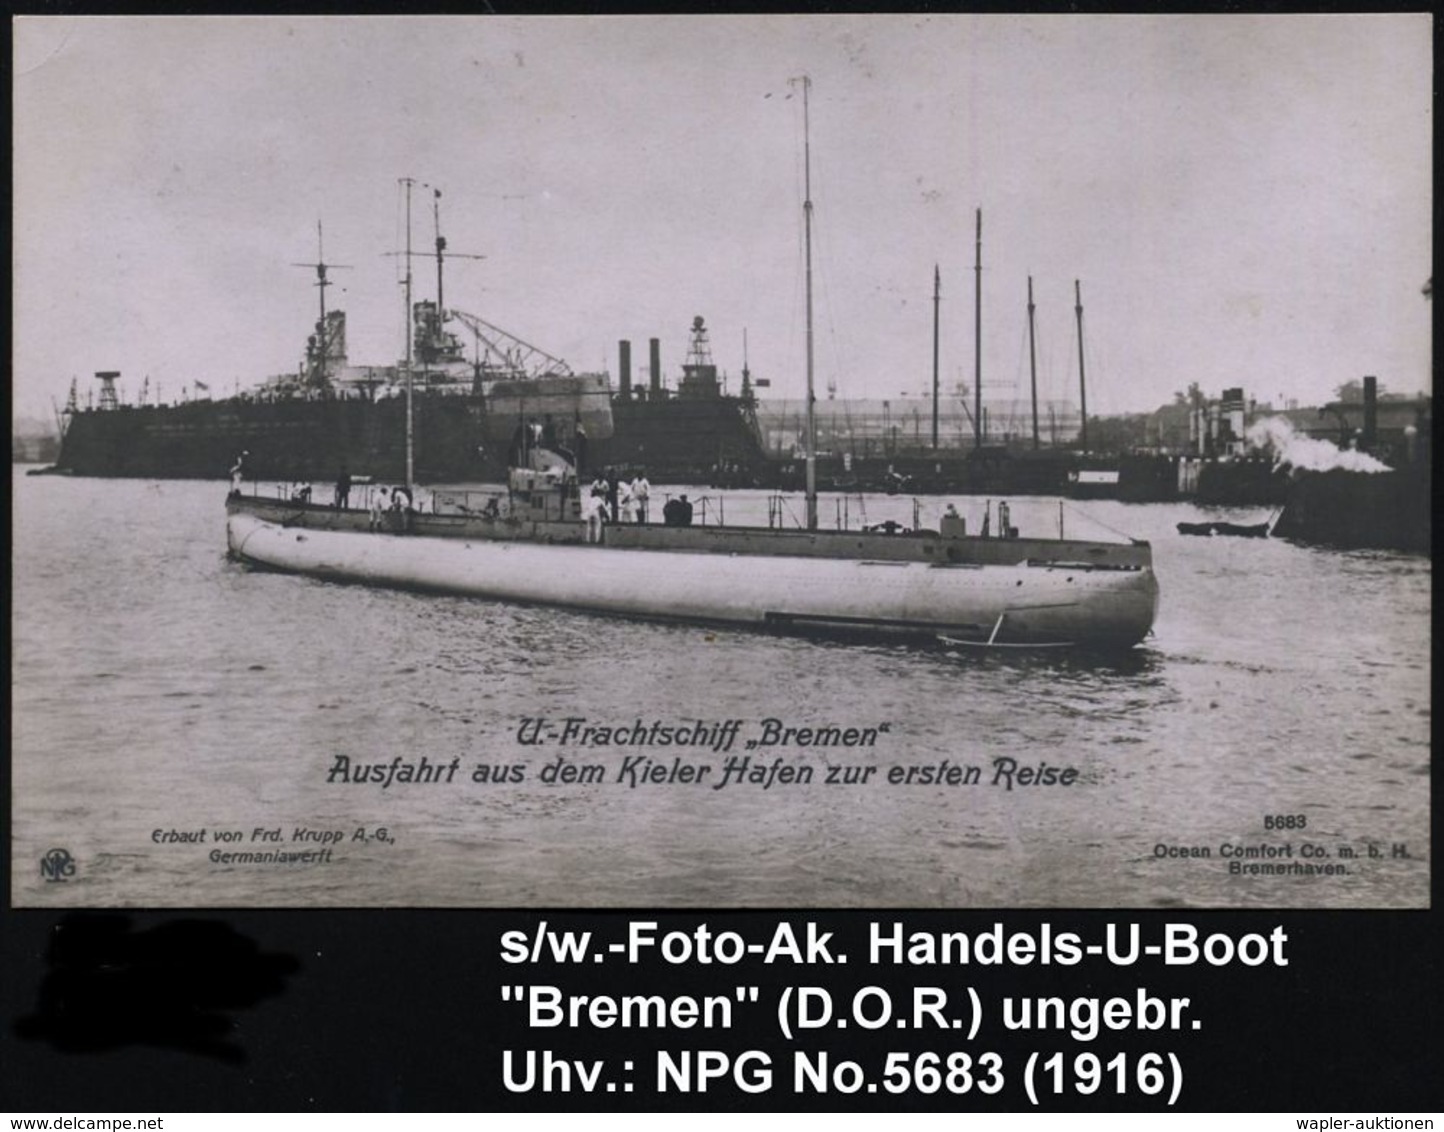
x=322, y=341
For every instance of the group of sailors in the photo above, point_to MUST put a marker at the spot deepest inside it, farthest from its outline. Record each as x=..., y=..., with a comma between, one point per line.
x=383, y=500
x=613, y=499
x=389, y=501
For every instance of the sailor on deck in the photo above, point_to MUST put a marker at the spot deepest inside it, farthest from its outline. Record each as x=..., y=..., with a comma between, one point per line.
x=641, y=489
x=238, y=472
x=613, y=507
x=378, y=509
x=594, y=506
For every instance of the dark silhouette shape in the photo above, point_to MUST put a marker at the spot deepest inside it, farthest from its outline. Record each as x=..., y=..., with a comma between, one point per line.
x=173, y=986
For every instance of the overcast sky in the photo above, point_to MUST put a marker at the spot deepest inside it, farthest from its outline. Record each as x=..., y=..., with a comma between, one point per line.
x=1245, y=199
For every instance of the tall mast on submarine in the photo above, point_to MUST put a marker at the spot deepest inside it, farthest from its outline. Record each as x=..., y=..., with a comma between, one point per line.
x=1082, y=378
x=978, y=336
x=410, y=456
x=807, y=242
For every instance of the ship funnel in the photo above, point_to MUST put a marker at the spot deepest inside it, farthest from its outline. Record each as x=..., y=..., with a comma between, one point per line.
x=656, y=361
x=624, y=368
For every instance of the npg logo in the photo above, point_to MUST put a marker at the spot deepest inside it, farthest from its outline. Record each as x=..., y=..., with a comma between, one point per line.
x=57, y=866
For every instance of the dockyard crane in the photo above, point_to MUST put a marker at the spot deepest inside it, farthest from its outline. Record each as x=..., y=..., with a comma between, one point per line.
x=501, y=354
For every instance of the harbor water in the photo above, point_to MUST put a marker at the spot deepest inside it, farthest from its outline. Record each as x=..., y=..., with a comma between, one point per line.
x=185, y=728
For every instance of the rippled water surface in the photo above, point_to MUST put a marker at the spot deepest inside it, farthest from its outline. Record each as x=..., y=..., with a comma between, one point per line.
x=159, y=687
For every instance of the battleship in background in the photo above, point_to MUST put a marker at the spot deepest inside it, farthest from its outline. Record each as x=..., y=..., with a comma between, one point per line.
x=334, y=417
x=460, y=400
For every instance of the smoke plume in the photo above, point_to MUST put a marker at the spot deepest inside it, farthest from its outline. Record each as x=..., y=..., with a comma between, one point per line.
x=1289, y=449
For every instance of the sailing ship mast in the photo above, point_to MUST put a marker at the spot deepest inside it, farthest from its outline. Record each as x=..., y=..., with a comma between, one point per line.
x=807, y=242
x=1082, y=379
x=1033, y=362
x=937, y=295
x=978, y=336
